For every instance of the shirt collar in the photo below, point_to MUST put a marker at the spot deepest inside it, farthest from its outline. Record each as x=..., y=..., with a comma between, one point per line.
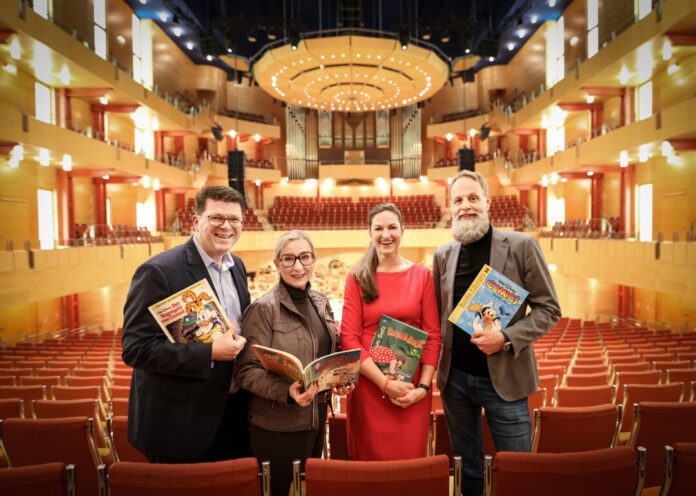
x=227, y=260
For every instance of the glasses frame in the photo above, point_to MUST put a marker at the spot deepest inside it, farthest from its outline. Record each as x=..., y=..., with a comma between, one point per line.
x=233, y=221
x=295, y=258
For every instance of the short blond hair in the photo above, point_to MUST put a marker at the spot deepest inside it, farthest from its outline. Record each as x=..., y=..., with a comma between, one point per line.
x=288, y=236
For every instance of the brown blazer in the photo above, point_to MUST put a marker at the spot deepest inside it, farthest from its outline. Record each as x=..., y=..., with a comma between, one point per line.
x=518, y=257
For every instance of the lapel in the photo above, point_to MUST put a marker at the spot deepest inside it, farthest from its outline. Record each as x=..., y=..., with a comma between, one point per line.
x=499, y=250
x=451, y=270
x=196, y=267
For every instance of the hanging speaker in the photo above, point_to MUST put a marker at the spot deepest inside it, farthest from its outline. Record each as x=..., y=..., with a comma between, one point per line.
x=467, y=161
x=235, y=171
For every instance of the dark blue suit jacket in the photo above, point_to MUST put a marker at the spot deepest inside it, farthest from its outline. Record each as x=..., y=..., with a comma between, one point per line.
x=177, y=399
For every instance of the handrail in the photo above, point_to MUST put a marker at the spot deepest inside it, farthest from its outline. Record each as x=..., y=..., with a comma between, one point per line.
x=652, y=325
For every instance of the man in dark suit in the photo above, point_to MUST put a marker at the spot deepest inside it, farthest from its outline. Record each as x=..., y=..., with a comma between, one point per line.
x=183, y=406
x=493, y=369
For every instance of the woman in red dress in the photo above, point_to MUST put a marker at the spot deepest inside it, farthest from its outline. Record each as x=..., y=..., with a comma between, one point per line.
x=388, y=419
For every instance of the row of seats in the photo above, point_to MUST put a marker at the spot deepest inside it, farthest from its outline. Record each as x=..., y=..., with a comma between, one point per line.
x=98, y=235
x=603, y=472
x=586, y=228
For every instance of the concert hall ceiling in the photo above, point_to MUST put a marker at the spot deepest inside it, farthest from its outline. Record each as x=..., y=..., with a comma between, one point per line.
x=234, y=34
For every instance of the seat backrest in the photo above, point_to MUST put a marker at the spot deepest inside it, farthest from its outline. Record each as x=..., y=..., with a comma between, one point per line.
x=47, y=479
x=577, y=380
x=442, y=442
x=563, y=429
x=65, y=408
x=338, y=440
x=417, y=476
x=590, y=369
x=680, y=375
x=68, y=440
x=671, y=364
x=638, y=377
x=11, y=407
x=75, y=392
x=160, y=479
x=117, y=428
x=118, y=407
x=637, y=393
x=583, y=396
x=659, y=424
x=680, y=467
x=43, y=380
x=27, y=393
x=610, y=471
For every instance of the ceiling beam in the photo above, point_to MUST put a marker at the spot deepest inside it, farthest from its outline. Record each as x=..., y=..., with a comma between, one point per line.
x=580, y=106
x=604, y=90
x=683, y=145
x=681, y=39
x=86, y=92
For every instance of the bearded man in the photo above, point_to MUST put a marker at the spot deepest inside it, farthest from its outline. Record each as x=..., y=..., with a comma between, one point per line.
x=492, y=369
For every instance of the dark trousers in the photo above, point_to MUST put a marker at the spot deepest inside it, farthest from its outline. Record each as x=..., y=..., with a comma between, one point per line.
x=282, y=448
x=231, y=440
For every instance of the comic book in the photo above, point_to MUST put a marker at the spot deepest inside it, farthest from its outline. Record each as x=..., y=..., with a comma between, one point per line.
x=329, y=371
x=490, y=302
x=397, y=347
x=193, y=315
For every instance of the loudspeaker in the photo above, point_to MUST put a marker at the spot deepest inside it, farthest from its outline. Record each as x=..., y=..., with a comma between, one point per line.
x=467, y=161
x=217, y=132
x=235, y=171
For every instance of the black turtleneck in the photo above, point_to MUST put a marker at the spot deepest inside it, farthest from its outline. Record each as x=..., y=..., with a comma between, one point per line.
x=472, y=257
x=317, y=326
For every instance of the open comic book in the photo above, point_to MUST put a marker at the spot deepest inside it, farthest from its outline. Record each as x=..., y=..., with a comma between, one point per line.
x=193, y=315
x=329, y=371
x=397, y=347
x=490, y=302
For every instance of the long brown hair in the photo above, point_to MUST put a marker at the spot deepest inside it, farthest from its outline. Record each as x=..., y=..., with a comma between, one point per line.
x=365, y=270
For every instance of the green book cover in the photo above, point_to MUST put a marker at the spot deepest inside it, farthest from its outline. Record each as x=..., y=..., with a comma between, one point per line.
x=397, y=348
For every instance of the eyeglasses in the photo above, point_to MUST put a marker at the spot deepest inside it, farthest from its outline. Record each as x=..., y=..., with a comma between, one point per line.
x=217, y=221
x=288, y=260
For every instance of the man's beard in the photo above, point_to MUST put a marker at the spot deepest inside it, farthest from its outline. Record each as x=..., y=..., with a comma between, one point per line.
x=468, y=231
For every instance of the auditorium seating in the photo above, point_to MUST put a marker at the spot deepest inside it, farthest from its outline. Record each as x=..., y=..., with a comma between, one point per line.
x=338, y=440
x=211, y=479
x=430, y=475
x=66, y=440
x=117, y=430
x=46, y=479
x=679, y=470
x=606, y=472
x=660, y=424
x=559, y=429
x=294, y=212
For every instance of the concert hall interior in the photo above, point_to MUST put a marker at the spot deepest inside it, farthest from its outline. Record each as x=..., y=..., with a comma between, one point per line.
x=115, y=113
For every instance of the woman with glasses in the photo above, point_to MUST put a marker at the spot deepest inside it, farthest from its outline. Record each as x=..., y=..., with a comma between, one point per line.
x=286, y=423
x=388, y=419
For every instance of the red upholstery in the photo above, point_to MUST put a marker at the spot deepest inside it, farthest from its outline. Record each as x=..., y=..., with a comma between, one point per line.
x=416, y=477
x=683, y=470
x=660, y=424
x=119, y=407
x=639, y=377
x=564, y=429
x=610, y=472
x=637, y=393
x=680, y=375
x=66, y=440
x=125, y=451
x=210, y=479
x=584, y=396
x=27, y=393
x=11, y=407
x=338, y=442
x=442, y=442
x=578, y=380
x=48, y=479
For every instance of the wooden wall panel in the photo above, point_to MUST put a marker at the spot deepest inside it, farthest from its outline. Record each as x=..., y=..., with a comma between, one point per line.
x=83, y=193
x=526, y=72
x=611, y=195
x=77, y=15
x=123, y=198
x=614, y=16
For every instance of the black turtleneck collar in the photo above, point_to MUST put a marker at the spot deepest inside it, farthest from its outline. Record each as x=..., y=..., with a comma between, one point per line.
x=297, y=294
x=484, y=241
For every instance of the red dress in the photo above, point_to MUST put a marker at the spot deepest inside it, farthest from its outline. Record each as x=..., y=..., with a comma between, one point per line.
x=377, y=429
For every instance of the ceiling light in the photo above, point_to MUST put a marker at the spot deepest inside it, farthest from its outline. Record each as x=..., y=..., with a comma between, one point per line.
x=511, y=46
x=15, y=49
x=564, y=179
x=178, y=31
x=552, y=3
x=590, y=173
x=11, y=68
x=574, y=41
x=623, y=158
x=44, y=157
x=257, y=137
x=67, y=162
x=163, y=16
x=491, y=59
x=449, y=136
x=209, y=58
x=445, y=37
x=534, y=19
x=105, y=177
x=232, y=133
x=590, y=99
x=672, y=69
x=189, y=45
x=521, y=33
x=667, y=50
x=251, y=35
x=121, y=40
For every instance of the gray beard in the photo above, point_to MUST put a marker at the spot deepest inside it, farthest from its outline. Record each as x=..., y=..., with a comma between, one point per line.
x=469, y=231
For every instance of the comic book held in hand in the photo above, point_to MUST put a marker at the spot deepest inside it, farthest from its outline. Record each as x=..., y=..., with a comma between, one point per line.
x=490, y=302
x=397, y=347
x=193, y=315
x=336, y=369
